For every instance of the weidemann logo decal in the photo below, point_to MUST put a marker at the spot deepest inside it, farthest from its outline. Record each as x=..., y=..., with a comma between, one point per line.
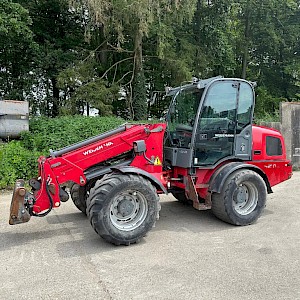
x=220, y=135
x=98, y=148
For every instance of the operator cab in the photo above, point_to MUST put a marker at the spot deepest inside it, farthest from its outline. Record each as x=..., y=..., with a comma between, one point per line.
x=209, y=121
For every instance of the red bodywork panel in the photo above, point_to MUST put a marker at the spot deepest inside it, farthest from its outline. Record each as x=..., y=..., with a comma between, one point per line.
x=276, y=168
x=71, y=165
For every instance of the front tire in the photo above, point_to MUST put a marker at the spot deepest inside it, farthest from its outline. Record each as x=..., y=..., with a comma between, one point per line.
x=242, y=199
x=122, y=208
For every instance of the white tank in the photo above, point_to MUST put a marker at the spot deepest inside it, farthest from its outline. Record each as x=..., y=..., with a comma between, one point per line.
x=14, y=118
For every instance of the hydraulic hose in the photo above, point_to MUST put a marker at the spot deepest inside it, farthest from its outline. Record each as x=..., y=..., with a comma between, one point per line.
x=49, y=197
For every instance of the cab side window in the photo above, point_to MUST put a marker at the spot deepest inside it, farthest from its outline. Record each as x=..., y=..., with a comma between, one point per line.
x=274, y=146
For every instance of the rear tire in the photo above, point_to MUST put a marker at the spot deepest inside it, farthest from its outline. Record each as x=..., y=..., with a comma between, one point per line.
x=79, y=195
x=122, y=208
x=180, y=196
x=242, y=199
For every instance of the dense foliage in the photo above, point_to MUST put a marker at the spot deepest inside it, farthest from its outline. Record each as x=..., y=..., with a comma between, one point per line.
x=67, y=56
x=18, y=159
x=56, y=133
x=16, y=162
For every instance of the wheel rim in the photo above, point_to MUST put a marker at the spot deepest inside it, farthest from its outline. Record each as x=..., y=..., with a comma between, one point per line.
x=245, y=198
x=128, y=210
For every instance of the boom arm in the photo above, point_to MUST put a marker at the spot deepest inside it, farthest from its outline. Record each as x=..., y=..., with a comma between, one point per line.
x=71, y=163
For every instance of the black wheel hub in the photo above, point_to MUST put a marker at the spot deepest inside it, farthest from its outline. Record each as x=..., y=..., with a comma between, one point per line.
x=241, y=195
x=125, y=207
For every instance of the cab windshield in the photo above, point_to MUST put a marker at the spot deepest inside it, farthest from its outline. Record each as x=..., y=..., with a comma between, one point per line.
x=183, y=109
x=181, y=117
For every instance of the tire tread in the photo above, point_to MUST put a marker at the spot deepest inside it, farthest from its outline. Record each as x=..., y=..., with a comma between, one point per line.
x=221, y=202
x=98, y=197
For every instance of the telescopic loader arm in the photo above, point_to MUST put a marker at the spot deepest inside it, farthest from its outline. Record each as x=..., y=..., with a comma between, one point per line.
x=136, y=145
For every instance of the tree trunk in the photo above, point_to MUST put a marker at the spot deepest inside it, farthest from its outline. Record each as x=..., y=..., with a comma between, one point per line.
x=138, y=51
x=246, y=40
x=102, y=55
x=55, y=96
x=87, y=109
x=139, y=97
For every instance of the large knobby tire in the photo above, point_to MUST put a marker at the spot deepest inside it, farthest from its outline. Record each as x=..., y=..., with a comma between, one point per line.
x=242, y=199
x=122, y=208
x=79, y=195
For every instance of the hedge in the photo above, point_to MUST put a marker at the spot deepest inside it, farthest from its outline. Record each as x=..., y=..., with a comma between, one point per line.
x=18, y=159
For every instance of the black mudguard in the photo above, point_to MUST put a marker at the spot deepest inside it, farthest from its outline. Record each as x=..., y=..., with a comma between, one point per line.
x=217, y=181
x=134, y=170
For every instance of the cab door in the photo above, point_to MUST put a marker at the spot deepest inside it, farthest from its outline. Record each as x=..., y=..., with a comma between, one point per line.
x=223, y=125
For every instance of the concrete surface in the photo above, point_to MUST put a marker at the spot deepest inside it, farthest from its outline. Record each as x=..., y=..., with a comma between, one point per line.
x=188, y=255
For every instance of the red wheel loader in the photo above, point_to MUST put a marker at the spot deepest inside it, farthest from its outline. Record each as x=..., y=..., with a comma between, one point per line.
x=207, y=151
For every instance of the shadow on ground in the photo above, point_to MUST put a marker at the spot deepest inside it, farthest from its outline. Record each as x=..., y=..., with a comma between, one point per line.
x=81, y=238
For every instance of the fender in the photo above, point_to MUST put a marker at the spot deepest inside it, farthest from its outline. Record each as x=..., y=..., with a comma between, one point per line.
x=99, y=172
x=134, y=170
x=218, y=179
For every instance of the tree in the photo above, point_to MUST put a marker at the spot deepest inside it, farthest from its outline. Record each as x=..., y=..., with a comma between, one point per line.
x=67, y=56
x=58, y=33
x=130, y=23
x=17, y=51
x=213, y=28
x=270, y=38
x=83, y=88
